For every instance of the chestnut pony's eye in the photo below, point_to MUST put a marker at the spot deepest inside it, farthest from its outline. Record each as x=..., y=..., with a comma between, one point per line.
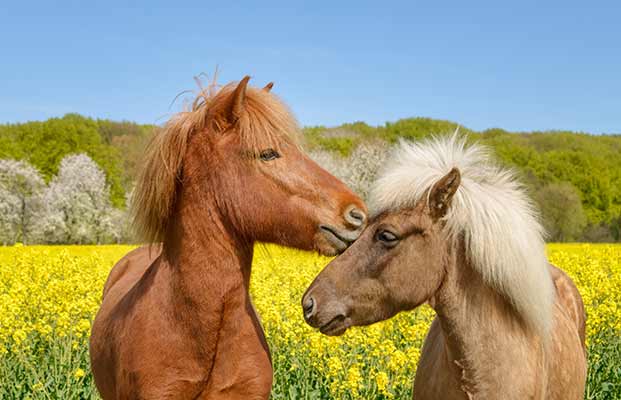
x=269, y=155
x=387, y=238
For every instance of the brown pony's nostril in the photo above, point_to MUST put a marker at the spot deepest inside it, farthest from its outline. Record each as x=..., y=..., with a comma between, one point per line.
x=355, y=216
x=309, y=307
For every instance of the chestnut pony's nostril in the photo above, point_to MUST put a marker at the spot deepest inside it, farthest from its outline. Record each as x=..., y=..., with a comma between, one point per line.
x=308, y=306
x=355, y=216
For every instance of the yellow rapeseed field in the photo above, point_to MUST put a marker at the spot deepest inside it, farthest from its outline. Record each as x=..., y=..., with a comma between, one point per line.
x=49, y=294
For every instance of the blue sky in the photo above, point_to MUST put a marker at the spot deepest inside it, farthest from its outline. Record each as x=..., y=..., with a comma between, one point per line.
x=520, y=66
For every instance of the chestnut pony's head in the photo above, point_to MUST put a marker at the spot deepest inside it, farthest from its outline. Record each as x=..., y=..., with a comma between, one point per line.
x=235, y=151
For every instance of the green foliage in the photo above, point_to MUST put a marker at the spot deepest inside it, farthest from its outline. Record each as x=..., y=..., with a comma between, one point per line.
x=44, y=144
x=592, y=164
x=589, y=163
x=416, y=128
x=561, y=207
x=342, y=140
x=604, y=375
x=130, y=140
x=57, y=370
x=343, y=146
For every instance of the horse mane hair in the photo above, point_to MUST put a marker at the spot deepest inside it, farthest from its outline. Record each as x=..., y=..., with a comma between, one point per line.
x=264, y=121
x=491, y=211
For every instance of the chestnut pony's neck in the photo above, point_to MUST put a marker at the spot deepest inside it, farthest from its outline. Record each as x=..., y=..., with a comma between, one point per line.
x=201, y=239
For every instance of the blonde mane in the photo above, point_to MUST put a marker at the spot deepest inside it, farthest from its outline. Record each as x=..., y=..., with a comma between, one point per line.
x=265, y=120
x=490, y=210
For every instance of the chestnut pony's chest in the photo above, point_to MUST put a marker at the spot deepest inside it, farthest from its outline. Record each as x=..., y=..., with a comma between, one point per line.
x=142, y=352
x=242, y=366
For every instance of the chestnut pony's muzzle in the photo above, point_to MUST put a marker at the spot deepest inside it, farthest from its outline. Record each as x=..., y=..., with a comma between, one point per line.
x=341, y=238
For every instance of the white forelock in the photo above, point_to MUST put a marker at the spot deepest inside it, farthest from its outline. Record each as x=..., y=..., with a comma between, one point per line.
x=500, y=226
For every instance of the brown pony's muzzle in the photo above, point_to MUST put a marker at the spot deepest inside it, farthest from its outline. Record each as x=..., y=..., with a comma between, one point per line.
x=332, y=320
x=322, y=309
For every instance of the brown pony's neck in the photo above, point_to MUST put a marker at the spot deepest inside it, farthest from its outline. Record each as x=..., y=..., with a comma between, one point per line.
x=485, y=339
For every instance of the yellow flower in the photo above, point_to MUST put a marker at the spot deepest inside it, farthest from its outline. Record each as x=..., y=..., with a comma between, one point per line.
x=381, y=380
x=354, y=380
x=50, y=294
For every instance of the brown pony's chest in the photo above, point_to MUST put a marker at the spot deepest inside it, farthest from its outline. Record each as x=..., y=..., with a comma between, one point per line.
x=242, y=366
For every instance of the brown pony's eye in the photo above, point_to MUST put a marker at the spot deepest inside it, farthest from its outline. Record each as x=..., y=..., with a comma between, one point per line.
x=387, y=238
x=269, y=155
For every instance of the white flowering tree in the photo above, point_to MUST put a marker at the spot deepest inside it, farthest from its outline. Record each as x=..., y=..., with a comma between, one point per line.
x=363, y=165
x=77, y=204
x=21, y=186
x=331, y=162
x=360, y=169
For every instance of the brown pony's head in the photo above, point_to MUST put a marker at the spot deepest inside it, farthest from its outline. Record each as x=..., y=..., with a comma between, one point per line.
x=444, y=207
x=235, y=151
x=397, y=264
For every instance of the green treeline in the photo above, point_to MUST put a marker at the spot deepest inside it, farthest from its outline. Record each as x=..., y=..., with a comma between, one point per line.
x=574, y=177
x=114, y=146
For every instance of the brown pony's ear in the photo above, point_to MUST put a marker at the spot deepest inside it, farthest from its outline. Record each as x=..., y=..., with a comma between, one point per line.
x=442, y=194
x=237, y=102
x=269, y=86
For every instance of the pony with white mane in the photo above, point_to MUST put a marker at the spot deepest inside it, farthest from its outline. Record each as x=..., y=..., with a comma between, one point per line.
x=455, y=230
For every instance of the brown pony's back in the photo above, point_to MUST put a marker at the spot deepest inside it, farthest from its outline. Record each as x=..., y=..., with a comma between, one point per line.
x=569, y=298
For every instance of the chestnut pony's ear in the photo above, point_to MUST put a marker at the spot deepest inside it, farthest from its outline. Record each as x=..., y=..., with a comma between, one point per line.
x=442, y=194
x=237, y=101
x=269, y=86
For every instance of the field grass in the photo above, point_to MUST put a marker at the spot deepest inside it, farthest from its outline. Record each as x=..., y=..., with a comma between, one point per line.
x=48, y=296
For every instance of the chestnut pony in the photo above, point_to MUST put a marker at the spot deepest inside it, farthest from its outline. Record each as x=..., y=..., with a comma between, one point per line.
x=177, y=319
x=455, y=230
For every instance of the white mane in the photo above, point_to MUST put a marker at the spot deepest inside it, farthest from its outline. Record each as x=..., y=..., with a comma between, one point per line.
x=503, y=236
